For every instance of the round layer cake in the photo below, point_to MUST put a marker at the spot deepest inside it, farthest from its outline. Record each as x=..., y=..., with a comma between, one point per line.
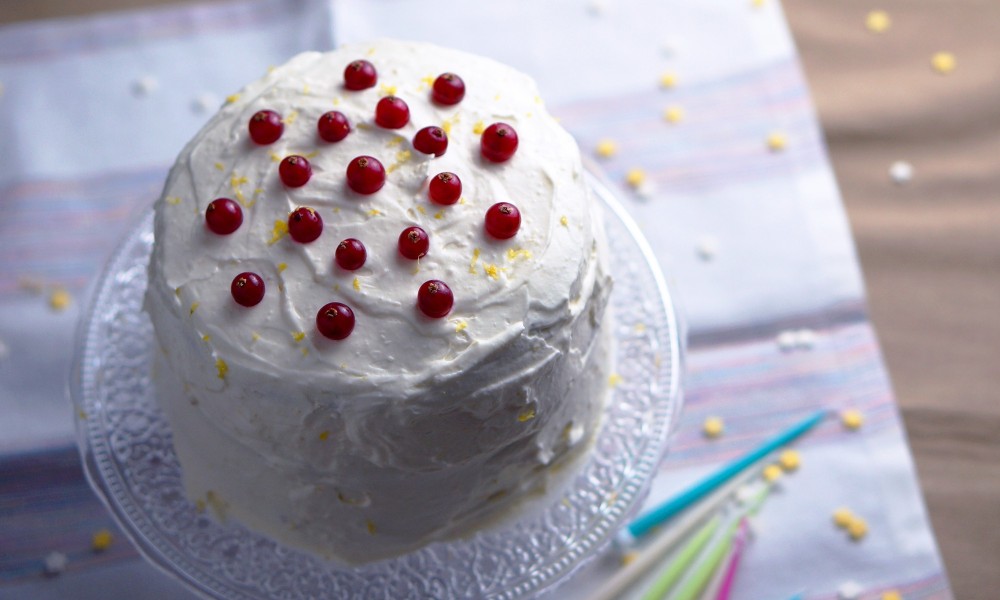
x=319, y=389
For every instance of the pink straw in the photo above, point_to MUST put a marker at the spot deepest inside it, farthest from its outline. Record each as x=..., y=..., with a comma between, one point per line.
x=734, y=561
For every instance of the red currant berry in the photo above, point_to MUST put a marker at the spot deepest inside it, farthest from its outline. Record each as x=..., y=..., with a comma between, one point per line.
x=351, y=254
x=333, y=126
x=431, y=140
x=266, y=127
x=335, y=320
x=360, y=75
x=445, y=188
x=391, y=113
x=365, y=175
x=295, y=171
x=413, y=243
x=247, y=289
x=448, y=89
x=435, y=299
x=499, y=142
x=223, y=216
x=503, y=220
x=304, y=224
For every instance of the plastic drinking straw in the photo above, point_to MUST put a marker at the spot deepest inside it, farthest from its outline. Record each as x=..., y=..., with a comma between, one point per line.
x=683, y=559
x=703, y=571
x=678, y=503
x=725, y=590
x=626, y=576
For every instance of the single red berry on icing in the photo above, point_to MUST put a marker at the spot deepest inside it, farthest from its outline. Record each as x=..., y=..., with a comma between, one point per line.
x=365, y=175
x=351, y=254
x=304, y=224
x=435, y=299
x=223, y=216
x=445, y=188
x=448, y=89
x=335, y=320
x=265, y=127
x=392, y=113
x=295, y=171
x=499, y=142
x=247, y=289
x=431, y=140
x=333, y=126
x=413, y=243
x=503, y=220
x=360, y=75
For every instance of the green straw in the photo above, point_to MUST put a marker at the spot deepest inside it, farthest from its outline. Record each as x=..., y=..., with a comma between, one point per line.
x=693, y=585
x=684, y=557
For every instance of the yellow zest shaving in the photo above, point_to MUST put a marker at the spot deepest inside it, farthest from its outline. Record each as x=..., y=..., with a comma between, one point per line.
x=526, y=415
x=564, y=221
x=757, y=3
x=943, y=62
x=668, y=80
x=789, y=460
x=173, y=200
x=177, y=292
x=298, y=336
x=673, y=114
x=394, y=142
x=323, y=435
x=221, y=367
x=439, y=214
x=429, y=80
x=336, y=101
x=387, y=90
x=772, y=473
x=59, y=299
x=713, y=427
x=232, y=98
x=305, y=89
x=288, y=120
x=194, y=307
x=206, y=337
x=421, y=209
x=479, y=127
x=199, y=505
x=635, y=177
x=282, y=267
x=493, y=271
x=446, y=126
x=461, y=200
x=371, y=526
x=270, y=69
x=374, y=212
x=475, y=258
x=312, y=154
x=606, y=148
x=514, y=253
x=852, y=419
x=371, y=51
x=878, y=21
x=460, y=326
x=401, y=157
x=528, y=115
x=274, y=156
x=255, y=336
x=305, y=351
x=220, y=166
x=82, y=414
x=629, y=557
x=279, y=231
x=101, y=540
x=219, y=505
x=357, y=284
x=614, y=379
x=776, y=141
x=538, y=99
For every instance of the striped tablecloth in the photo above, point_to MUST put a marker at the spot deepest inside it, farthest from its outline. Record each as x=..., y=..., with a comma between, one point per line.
x=754, y=242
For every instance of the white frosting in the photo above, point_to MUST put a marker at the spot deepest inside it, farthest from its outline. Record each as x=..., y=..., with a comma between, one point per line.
x=412, y=428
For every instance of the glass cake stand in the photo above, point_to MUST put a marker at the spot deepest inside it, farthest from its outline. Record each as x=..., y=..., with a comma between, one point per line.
x=127, y=453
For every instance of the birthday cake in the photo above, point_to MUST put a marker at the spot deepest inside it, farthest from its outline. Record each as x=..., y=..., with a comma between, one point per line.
x=378, y=284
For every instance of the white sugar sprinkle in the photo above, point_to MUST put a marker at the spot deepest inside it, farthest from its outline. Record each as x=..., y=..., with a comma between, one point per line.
x=901, y=172
x=787, y=340
x=205, y=102
x=849, y=590
x=55, y=563
x=707, y=247
x=144, y=86
x=805, y=339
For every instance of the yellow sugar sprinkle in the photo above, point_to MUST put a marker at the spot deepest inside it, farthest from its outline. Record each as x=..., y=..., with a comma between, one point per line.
x=460, y=326
x=371, y=526
x=878, y=21
x=101, y=540
x=173, y=200
x=713, y=427
x=776, y=141
x=475, y=258
x=194, y=307
x=842, y=517
x=614, y=379
x=395, y=141
x=255, y=336
x=673, y=114
x=282, y=267
x=232, y=98
x=439, y=214
x=892, y=595
x=479, y=127
x=220, y=166
x=387, y=90
x=374, y=212
x=526, y=415
x=279, y=231
x=943, y=62
x=857, y=528
x=789, y=460
x=635, y=177
x=564, y=221
x=324, y=435
x=206, y=337
x=668, y=80
x=357, y=284
x=606, y=148
x=852, y=419
x=629, y=557
x=772, y=473
x=514, y=253
x=421, y=209
x=493, y=271
x=59, y=299
x=221, y=367
x=298, y=336
x=291, y=117
x=274, y=156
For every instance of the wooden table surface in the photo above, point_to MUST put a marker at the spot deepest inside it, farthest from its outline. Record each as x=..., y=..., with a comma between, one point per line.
x=930, y=249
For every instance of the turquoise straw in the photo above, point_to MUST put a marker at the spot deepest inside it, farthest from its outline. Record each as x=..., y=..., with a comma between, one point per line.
x=664, y=512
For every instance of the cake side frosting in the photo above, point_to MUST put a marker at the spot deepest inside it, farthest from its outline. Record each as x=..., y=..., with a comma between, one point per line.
x=318, y=442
